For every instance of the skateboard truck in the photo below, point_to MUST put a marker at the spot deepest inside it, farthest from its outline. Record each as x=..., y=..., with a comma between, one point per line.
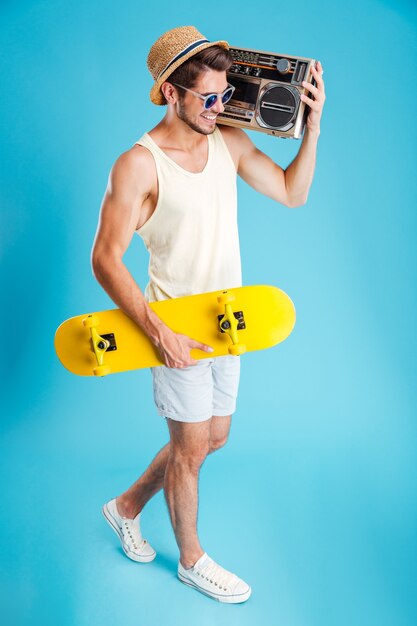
x=231, y=322
x=101, y=344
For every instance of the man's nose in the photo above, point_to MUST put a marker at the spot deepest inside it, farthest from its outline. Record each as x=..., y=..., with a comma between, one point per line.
x=218, y=106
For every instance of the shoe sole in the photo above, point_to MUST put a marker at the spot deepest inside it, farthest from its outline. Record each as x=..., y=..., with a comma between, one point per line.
x=225, y=599
x=111, y=521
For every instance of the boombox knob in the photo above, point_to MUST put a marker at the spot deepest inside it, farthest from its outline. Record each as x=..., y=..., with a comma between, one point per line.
x=283, y=66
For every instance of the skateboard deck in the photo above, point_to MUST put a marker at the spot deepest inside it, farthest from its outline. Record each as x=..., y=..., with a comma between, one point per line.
x=233, y=321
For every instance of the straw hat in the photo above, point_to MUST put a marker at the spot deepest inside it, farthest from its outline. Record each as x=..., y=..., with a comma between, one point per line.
x=170, y=51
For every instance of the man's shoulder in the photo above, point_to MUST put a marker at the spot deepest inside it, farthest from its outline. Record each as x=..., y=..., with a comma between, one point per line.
x=233, y=136
x=236, y=140
x=136, y=157
x=134, y=168
x=231, y=132
x=135, y=161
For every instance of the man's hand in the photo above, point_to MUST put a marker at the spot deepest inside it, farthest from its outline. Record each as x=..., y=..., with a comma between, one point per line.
x=317, y=102
x=175, y=348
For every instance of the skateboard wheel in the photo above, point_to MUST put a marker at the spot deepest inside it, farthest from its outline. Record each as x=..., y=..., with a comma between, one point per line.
x=225, y=298
x=237, y=349
x=90, y=321
x=101, y=370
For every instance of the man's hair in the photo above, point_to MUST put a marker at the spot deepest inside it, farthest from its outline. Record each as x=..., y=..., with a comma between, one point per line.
x=213, y=58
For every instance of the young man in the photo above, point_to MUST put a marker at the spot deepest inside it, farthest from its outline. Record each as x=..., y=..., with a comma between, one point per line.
x=176, y=188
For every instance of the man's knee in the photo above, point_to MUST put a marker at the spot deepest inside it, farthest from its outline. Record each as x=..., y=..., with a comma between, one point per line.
x=216, y=444
x=191, y=457
x=219, y=432
x=189, y=443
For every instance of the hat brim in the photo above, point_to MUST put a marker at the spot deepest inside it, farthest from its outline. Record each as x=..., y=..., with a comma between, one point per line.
x=156, y=94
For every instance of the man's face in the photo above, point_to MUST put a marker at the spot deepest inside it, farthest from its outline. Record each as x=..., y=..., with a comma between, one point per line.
x=190, y=109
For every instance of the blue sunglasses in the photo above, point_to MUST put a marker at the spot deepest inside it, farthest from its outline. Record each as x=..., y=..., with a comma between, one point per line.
x=212, y=97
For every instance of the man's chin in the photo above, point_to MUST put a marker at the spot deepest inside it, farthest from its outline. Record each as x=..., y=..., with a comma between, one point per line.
x=202, y=130
x=208, y=126
x=207, y=131
x=199, y=125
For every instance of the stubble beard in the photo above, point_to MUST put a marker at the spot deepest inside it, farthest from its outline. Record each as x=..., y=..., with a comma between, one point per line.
x=181, y=112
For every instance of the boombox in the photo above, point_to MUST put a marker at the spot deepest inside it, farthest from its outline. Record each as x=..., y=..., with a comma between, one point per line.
x=267, y=92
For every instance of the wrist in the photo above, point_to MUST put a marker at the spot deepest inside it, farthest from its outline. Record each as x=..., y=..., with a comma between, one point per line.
x=313, y=133
x=152, y=325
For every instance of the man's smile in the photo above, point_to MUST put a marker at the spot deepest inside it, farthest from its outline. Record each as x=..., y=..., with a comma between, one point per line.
x=210, y=118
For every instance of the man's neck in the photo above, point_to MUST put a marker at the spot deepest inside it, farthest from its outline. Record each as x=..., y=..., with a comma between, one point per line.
x=174, y=132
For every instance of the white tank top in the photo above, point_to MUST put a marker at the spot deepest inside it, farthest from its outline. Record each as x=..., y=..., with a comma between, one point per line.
x=192, y=236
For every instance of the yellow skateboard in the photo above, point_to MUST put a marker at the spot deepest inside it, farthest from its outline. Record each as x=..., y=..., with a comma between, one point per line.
x=232, y=322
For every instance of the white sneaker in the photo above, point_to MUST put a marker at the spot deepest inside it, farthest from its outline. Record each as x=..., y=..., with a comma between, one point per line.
x=209, y=578
x=134, y=545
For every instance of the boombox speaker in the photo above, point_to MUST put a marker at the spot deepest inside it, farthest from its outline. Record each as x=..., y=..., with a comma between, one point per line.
x=267, y=92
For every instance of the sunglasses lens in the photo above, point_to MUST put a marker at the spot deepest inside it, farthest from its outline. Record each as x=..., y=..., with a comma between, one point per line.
x=210, y=100
x=227, y=95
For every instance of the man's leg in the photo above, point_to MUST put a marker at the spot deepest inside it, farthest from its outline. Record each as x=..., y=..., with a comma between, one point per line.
x=132, y=501
x=189, y=446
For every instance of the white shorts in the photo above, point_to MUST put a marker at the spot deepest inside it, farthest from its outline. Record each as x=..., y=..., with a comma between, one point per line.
x=196, y=393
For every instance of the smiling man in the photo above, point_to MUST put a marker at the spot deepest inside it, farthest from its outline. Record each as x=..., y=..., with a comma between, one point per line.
x=176, y=187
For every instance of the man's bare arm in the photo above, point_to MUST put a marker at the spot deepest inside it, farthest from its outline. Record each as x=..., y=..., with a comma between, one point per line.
x=299, y=174
x=260, y=172
x=291, y=186
x=129, y=186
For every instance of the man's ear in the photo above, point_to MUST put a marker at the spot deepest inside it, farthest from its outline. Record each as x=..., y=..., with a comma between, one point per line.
x=170, y=93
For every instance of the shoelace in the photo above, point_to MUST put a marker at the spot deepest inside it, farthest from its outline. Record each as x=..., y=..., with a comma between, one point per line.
x=216, y=575
x=132, y=535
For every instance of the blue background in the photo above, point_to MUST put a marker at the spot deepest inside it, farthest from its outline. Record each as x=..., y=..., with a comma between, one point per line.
x=313, y=500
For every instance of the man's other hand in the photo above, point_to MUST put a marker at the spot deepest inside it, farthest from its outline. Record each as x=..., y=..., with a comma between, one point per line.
x=316, y=102
x=175, y=349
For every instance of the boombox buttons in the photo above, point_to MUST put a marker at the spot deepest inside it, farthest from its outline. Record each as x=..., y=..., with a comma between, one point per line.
x=267, y=92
